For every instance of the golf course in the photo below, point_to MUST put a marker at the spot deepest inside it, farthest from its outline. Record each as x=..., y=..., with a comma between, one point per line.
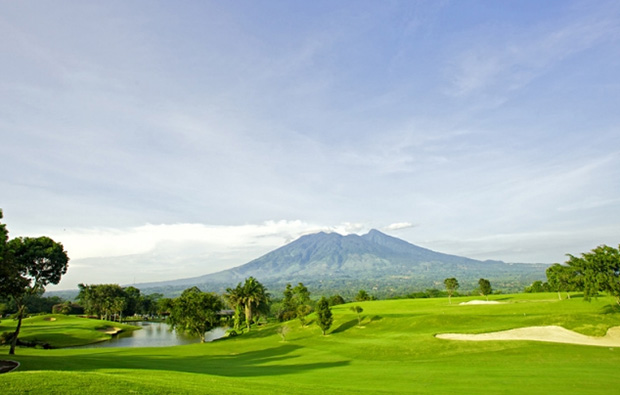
x=393, y=349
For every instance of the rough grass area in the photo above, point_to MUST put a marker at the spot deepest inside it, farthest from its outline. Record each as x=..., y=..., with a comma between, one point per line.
x=393, y=351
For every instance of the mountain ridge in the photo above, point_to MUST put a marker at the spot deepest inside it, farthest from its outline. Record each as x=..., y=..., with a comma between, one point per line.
x=330, y=260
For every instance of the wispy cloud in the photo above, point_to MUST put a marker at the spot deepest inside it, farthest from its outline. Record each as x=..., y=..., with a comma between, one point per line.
x=498, y=63
x=399, y=226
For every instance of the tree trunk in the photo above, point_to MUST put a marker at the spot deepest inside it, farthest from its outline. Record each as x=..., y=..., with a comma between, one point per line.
x=237, y=317
x=248, y=315
x=559, y=295
x=20, y=315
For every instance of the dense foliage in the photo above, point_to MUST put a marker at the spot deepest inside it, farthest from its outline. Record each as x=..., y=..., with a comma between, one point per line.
x=27, y=266
x=111, y=301
x=484, y=286
x=251, y=297
x=592, y=272
x=324, y=318
x=196, y=312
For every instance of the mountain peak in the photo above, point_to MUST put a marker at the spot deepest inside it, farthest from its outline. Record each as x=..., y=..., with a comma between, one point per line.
x=329, y=258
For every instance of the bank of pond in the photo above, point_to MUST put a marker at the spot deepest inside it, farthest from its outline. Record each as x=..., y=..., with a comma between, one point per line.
x=42, y=332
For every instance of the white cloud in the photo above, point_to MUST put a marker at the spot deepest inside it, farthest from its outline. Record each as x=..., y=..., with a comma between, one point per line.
x=399, y=225
x=98, y=243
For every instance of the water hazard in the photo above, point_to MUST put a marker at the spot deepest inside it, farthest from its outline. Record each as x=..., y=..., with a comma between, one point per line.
x=154, y=334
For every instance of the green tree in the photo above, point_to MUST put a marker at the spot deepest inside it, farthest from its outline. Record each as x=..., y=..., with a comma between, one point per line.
x=296, y=302
x=254, y=298
x=484, y=287
x=32, y=264
x=148, y=303
x=362, y=296
x=561, y=278
x=234, y=296
x=336, y=300
x=597, y=270
x=324, y=315
x=452, y=284
x=303, y=310
x=5, y=269
x=195, y=312
x=132, y=301
x=301, y=295
x=537, y=286
x=358, y=310
x=301, y=300
x=103, y=300
x=62, y=308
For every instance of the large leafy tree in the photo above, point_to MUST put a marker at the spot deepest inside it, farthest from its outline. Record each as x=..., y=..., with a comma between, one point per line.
x=561, y=278
x=296, y=303
x=324, y=315
x=30, y=264
x=4, y=238
x=103, y=300
x=8, y=273
x=452, y=284
x=195, y=312
x=597, y=270
x=132, y=301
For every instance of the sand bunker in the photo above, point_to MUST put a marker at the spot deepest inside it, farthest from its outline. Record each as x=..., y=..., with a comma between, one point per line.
x=554, y=334
x=110, y=330
x=481, y=302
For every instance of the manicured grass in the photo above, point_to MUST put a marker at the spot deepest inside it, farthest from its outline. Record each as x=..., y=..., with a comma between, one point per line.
x=60, y=330
x=394, y=351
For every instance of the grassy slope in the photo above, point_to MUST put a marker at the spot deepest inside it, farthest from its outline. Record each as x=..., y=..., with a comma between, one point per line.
x=393, y=351
x=75, y=331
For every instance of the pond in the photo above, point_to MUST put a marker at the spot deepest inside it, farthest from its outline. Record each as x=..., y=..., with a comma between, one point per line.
x=154, y=334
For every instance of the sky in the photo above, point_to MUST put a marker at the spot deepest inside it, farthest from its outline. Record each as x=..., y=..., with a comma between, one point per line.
x=159, y=140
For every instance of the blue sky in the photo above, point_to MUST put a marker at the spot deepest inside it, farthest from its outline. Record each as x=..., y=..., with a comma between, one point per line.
x=160, y=140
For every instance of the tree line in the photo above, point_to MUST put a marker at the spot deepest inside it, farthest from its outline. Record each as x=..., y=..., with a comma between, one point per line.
x=591, y=273
x=113, y=302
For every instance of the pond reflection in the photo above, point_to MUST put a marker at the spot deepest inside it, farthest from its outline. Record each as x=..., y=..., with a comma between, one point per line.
x=154, y=334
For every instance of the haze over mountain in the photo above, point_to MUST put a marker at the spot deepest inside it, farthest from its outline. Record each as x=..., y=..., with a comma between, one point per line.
x=376, y=260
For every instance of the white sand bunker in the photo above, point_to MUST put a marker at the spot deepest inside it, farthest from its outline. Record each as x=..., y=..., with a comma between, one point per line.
x=110, y=330
x=481, y=302
x=554, y=334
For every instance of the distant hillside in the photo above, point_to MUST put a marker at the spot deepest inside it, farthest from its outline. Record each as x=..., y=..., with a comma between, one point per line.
x=329, y=262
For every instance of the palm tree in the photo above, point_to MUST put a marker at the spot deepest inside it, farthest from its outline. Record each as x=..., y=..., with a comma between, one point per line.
x=253, y=295
x=234, y=297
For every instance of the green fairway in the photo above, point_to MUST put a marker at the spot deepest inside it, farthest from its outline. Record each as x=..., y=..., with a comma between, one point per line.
x=394, y=351
x=60, y=330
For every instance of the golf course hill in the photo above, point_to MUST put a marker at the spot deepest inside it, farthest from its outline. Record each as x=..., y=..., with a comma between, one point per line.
x=376, y=261
x=533, y=343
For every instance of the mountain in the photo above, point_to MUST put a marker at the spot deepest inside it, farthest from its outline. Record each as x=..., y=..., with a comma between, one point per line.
x=330, y=261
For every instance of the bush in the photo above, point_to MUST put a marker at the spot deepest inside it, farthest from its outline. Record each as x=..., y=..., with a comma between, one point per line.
x=6, y=337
